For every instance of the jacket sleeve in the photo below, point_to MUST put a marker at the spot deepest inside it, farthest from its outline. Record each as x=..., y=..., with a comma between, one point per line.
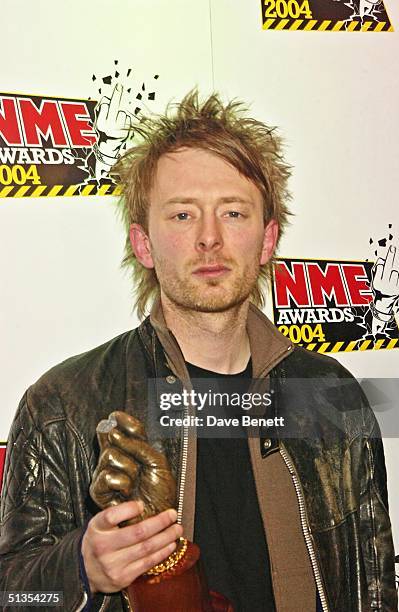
x=375, y=526
x=39, y=536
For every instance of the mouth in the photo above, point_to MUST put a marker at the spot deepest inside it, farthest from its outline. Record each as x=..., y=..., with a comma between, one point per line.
x=211, y=271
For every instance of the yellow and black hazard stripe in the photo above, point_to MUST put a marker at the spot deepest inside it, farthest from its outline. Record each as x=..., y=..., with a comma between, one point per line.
x=40, y=191
x=352, y=345
x=327, y=25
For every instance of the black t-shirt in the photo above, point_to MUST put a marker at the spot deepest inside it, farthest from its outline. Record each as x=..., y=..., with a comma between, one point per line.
x=228, y=525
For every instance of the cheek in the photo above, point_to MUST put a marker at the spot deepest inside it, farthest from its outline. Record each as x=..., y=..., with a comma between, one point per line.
x=177, y=243
x=248, y=243
x=168, y=245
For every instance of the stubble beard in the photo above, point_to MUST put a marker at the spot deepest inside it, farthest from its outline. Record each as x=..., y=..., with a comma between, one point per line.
x=208, y=295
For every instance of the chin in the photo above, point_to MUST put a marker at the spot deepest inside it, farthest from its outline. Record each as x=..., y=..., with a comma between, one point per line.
x=211, y=304
x=210, y=297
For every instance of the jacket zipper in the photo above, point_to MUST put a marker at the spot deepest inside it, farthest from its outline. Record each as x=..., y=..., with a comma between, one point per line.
x=83, y=603
x=105, y=603
x=305, y=528
x=183, y=471
x=378, y=588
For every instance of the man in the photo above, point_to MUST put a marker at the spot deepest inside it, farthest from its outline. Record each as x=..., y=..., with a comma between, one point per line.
x=307, y=525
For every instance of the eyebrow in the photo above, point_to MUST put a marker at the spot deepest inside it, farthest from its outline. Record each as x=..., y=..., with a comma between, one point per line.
x=225, y=200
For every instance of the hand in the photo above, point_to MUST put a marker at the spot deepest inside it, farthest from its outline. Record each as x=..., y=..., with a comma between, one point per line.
x=385, y=282
x=129, y=468
x=114, y=557
x=112, y=123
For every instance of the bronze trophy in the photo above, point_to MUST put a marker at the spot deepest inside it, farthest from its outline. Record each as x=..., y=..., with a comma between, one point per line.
x=130, y=468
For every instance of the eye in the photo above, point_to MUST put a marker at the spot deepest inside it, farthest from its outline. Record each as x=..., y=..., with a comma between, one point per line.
x=183, y=216
x=234, y=214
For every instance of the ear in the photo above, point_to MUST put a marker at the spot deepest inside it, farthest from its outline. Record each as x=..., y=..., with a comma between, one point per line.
x=141, y=245
x=269, y=241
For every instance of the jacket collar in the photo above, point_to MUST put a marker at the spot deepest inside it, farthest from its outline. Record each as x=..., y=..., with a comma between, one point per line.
x=268, y=346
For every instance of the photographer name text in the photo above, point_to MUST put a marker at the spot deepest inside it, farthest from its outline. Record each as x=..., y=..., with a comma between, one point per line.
x=245, y=420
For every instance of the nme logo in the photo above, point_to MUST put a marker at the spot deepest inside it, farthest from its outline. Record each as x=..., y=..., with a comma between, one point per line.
x=31, y=122
x=53, y=146
x=332, y=306
x=46, y=146
x=307, y=284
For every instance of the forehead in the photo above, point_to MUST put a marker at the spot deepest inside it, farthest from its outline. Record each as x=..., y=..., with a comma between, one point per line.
x=191, y=172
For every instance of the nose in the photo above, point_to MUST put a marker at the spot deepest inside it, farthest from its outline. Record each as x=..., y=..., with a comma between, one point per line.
x=209, y=236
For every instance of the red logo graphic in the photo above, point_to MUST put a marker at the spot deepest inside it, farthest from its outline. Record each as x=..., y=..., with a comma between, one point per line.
x=2, y=461
x=332, y=306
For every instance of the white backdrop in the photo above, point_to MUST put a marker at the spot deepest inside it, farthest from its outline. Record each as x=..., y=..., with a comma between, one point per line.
x=335, y=96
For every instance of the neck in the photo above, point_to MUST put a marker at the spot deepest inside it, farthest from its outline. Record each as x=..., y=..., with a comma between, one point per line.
x=216, y=341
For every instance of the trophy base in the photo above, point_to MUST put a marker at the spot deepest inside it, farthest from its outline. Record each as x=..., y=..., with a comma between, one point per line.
x=181, y=589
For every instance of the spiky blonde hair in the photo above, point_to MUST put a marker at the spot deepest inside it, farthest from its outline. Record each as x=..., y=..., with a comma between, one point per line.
x=250, y=146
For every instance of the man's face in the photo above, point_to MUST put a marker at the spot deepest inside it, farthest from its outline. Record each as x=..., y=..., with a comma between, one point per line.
x=206, y=236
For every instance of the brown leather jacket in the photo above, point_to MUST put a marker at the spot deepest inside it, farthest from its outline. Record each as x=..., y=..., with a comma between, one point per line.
x=321, y=487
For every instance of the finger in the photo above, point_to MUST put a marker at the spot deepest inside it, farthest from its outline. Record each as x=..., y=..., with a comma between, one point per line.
x=133, y=535
x=103, y=441
x=103, y=100
x=394, y=278
x=137, y=568
x=378, y=270
x=111, y=517
x=140, y=450
x=121, y=119
x=102, y=108
x=129, y=424
x=115, y=101
x=130, y=553
x=116, y=459
x=139, y=532
x=389, y=261
x=107, y=483
x=130, y=115
x=124, y=120
x=128, y=123
x=379, y=262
